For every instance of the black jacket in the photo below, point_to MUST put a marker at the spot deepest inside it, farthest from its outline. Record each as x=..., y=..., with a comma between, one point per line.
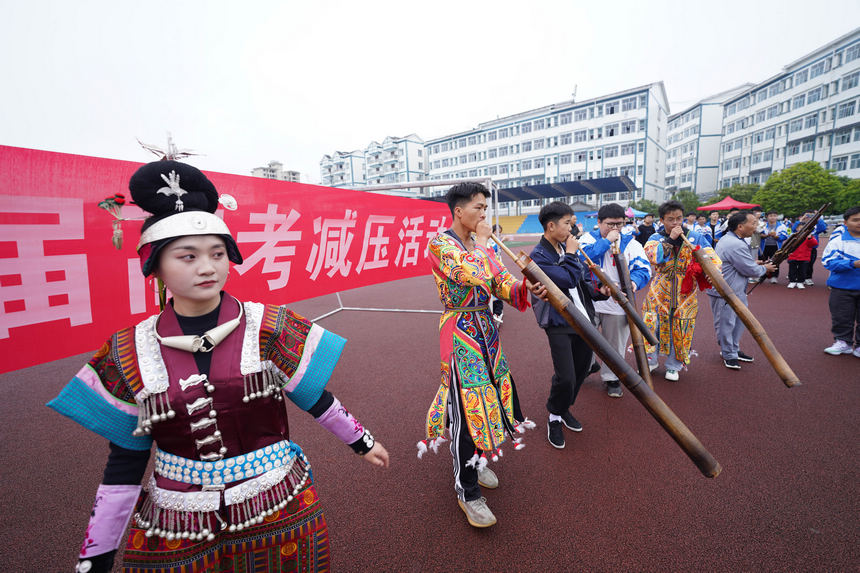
x=566, y=271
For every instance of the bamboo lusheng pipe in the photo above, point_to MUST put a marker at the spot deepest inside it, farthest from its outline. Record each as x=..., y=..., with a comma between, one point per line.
x=635, y=336
x=776, y=360
x=791, y=243
x=626, y=374
x=621, y=299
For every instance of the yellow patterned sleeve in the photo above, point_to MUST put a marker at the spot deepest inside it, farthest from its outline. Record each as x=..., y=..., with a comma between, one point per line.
x=462, y=267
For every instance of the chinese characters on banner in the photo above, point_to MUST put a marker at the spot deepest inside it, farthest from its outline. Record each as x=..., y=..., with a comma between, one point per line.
x=64, y=288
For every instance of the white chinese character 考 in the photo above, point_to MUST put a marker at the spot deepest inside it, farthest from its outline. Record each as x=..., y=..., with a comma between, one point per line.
x=276, y=230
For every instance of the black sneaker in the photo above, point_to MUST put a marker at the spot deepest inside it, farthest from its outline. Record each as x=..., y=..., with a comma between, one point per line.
x=745, y=357
x=613, y=389
x=570, y=422
x=595, y=367
x=555, y=434
x=732, y=363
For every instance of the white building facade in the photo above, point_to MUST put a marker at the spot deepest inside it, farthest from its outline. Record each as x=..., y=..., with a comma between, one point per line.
x=275, y=170
x=809, y=112
x=395, y=160
x=343, y=169
x=694, y=136
x=618, y=134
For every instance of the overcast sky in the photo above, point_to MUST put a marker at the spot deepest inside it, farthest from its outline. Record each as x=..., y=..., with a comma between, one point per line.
x=247, y=82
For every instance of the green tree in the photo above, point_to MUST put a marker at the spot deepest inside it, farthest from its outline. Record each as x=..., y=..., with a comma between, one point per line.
x=801, y=187
x=743, y=193
x=645, y=205
x=848, y=196
x=688, y=199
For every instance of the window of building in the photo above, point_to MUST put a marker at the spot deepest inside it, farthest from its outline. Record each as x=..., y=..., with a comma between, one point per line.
x=639, y=169
x=579, y=156
x=492, y=153
x=503, y=133
x=855, y=161
x=628, y=104
x=772, y=111
x=612, y=130
x=526, y=146
x=793, y=149
x=580, y=136
x=491, y=136
x=643, y=100
x=540, y=162
x=628, y=126
x=839, y=163
x=538, y=144
x=628, y=149
x=761, y=96
x=641, y=146
x=642, y=127
x=473, y=139
x=526, y=164
x=611, y=107
x=798, y=101
x=850, y=81
x=566, y=138
x=842, y=136
x=493, y=170
x=852, y=53
x=770, y=133
x=818, y=68
x=774, y=89
x=807, y=145
x=503, y=151
x=611, y=151
x=503, y=168
x=814, y=95
x=801, y=76
x=564, y=158
x=795, y=125
x=756, y=158
x=539, y=124
x=760, y=116
x=445, y=147
x=757, y=137
x=845, y=110
x=580, y=115
x=526, y=128
x=566, y=118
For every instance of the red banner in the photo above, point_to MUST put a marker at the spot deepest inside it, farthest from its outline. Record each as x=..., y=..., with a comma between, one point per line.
x=64, y=288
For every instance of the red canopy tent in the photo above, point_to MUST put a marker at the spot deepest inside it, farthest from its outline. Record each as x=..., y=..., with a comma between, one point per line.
x=726, y=204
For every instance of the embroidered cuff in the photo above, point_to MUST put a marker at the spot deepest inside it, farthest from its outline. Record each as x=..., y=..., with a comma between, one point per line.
x=341, y=423
x=364, y=444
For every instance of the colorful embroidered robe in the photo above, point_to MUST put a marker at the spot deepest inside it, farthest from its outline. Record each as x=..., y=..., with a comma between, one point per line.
x=471, y=355
x=670, y=310
x=135, y=391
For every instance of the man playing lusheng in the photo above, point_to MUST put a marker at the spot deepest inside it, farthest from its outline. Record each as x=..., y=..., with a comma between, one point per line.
x=671, y=306
x=556, y=255
x=738, y=267
x=477, y=394
x=610, y=316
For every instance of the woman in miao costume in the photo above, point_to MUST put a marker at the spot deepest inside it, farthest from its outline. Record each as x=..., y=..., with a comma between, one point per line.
x=205, y=381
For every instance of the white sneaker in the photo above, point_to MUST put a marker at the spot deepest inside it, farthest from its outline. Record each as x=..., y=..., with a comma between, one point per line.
x=839, y=347
x=487, y=478
x=773, y=281
x=477, y=512
x=671, y=375
x=800, y=286
x=857, y=352
x=808, y=282
x=792, y=285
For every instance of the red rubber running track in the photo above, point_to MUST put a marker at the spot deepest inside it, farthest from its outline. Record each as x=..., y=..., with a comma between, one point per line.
x=620, y=497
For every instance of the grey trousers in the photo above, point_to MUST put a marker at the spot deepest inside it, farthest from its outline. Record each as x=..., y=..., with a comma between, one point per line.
x=728, y=326
x=616, y=331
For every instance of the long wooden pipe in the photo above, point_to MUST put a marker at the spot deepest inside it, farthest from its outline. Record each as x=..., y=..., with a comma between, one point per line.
x=635, y=335
x=753, y=325
x=673, y=425
x=621, y=299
